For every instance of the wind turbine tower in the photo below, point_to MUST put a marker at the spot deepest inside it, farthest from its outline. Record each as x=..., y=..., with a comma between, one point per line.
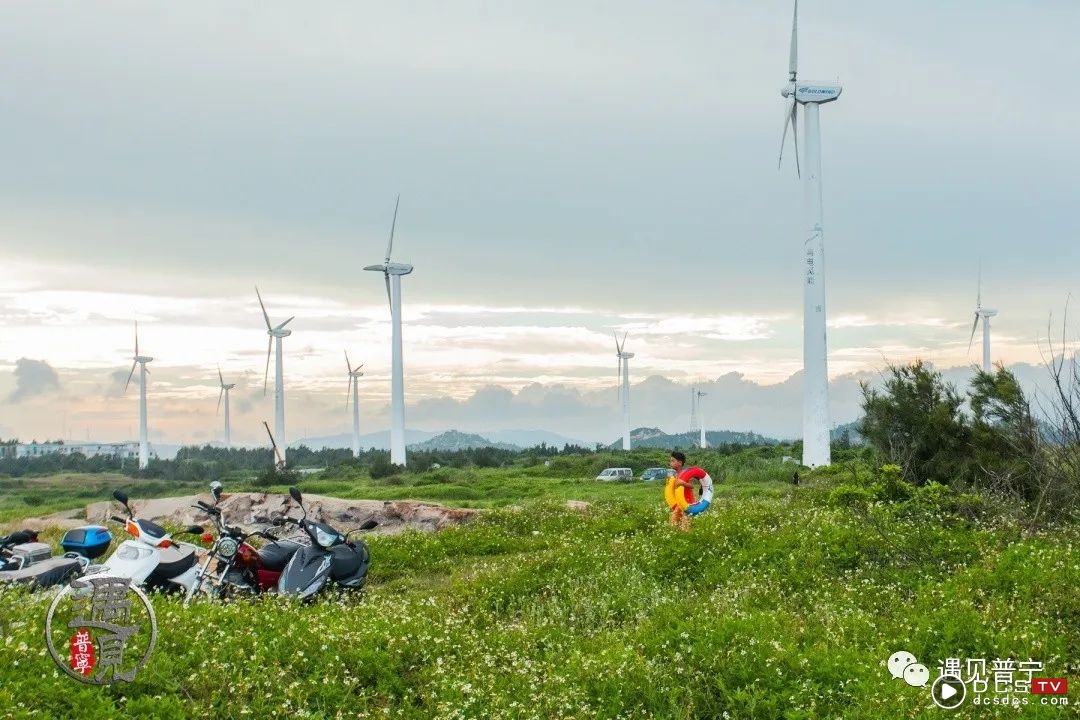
x=693, y=410
x=354, y=383
x=624, y=386
x=276, y=333
x=816, y=424
x=985, y=314
x=392, y=273
x=141, y=361
x=701, y=419
x=224, y=394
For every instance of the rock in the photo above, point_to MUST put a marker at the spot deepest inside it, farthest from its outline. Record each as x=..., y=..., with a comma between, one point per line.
x=579, y=505
x=251, y=510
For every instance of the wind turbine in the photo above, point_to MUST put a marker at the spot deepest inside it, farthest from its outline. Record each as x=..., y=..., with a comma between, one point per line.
x=354, y=388
x=624, y=386
x=985, y=314
x=392, y=272
x=276, y=332
x=701, y=418
x=225, y=388
x=141, y=361
x=815, y=353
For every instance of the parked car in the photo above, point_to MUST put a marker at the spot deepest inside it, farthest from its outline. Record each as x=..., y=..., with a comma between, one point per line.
x=616, y=474
x=657, y=473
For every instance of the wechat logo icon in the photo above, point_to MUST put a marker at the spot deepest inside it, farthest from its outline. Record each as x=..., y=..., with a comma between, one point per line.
x=903, y=664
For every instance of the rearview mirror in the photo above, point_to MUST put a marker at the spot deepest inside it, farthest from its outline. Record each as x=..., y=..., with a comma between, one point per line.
x=294, y=493
x=120, y=496
x=215, y=489
x=194, y=530
x=370, y=524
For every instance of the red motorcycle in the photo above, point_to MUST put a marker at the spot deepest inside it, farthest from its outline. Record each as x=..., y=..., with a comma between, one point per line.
x=238, y=566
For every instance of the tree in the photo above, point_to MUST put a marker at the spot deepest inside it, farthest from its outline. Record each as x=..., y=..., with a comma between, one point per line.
x=917, y=422
x=1005, y=446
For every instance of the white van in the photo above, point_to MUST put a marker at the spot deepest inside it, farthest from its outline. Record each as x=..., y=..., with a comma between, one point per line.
x=616, y=474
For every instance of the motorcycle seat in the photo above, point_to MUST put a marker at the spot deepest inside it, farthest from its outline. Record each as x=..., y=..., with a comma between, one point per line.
x=174, y=560
x=276, y=555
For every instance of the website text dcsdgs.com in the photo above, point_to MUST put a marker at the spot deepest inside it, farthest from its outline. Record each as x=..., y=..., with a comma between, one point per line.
x=1020, y=700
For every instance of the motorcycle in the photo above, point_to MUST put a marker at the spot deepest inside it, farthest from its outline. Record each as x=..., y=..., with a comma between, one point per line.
x=239, y=565
x=151, y=558
x=25, y=560
x=330, y=556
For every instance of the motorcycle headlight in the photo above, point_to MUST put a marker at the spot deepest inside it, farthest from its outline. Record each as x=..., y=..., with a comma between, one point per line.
x=227, y=547
x=326, y=539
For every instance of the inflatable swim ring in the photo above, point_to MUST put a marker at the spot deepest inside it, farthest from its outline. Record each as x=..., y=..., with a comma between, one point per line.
x=696, y=473
x=674, y=496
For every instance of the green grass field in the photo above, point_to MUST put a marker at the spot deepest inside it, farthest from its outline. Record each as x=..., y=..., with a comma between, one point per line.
x=780, y=602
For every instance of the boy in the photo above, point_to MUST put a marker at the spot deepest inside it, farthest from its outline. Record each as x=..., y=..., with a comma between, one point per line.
x=683, y=478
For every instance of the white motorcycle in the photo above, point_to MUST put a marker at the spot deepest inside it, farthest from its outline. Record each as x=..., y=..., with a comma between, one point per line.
x=150, y=557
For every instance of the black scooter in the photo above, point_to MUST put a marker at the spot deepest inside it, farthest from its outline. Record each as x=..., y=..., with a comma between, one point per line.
x=331, y=556
x=25, y=560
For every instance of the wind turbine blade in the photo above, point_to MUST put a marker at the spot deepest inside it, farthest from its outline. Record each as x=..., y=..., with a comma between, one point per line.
x=347, y=363
x=220, y=379
x=973, y=331
x=285, y=323
x=783, y=136
x=269, y=344
x=388, y=299
x=979, y=293
x=220, y=395
x=623, y=346
x=790, y=119
x=618, y=350
x=349, y=391
x=265, y=316
x=136, y=338
x=795, y=135
x=130, y=374
x=793, y=58
x=390, y=245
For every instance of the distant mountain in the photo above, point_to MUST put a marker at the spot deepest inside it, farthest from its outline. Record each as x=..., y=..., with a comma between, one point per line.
x=852, y=430
x=380, y=440
x=656, y=438
x=497, y=438
x=454, y=440
x=532, y=438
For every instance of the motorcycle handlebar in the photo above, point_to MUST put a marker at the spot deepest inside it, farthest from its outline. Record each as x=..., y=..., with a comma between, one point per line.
x=209, y=509
x=117, y=518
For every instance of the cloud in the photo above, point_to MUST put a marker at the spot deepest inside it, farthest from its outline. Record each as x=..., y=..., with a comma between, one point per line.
x=33, y=378
x=114, y=383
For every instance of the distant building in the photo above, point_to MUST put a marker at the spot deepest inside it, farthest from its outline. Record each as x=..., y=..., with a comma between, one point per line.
x=124, y=450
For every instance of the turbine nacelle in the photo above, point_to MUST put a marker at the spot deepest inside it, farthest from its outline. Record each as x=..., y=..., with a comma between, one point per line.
x=625, y=355
x=812, y=92
x=986, y=312
x=391, y=268
x=279, y=332
x=143, y=359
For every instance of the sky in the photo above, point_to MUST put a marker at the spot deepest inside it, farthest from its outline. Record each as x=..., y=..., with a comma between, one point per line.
x=566, y=169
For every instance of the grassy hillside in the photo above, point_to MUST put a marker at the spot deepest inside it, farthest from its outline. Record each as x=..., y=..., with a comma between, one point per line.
x=780, y=602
